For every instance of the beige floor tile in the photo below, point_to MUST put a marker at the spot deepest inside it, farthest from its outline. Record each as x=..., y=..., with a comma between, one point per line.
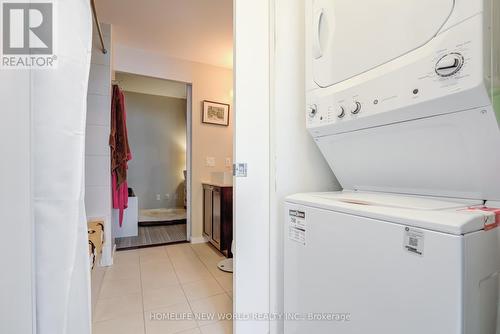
x=158, y=280
x=190, y=274
x=206, y=252
x=188, y=263
x=128, y=324
x=120, y=287
x=218, y=305
x=199, y=246
x=226, y=282
x=180, y=252
x=203, y=248
x=151, y=251
x=157, y=265
x=148, y=280
x=123, y=271
x=159, y=298
x=214, y=270
x=183, y=260
x=220, y=327
x=230, y=294
x=202, y=289
x=112, y=308
x=191, y=331
x=153, y=254
x=126, y=257
x=158, y=322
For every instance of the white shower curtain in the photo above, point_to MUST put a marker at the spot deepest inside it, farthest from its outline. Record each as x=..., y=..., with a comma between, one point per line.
x=58, y=103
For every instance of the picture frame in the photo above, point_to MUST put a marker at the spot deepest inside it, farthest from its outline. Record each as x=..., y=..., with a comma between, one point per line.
x=215, y=113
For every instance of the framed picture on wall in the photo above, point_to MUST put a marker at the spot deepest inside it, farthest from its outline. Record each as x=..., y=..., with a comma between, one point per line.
x=215, y=113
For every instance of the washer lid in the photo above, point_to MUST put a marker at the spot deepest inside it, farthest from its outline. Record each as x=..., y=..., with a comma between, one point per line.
x=396, y=201
x=447, y=216
x=349, y=37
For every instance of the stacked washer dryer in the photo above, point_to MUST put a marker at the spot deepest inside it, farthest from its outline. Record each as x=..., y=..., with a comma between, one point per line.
x=403, y=101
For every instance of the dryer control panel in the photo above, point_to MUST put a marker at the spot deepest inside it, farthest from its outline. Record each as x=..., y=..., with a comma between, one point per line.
x=446, y=75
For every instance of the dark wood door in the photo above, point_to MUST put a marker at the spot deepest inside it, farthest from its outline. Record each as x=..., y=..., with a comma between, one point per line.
x=216, y=217
x=207, y=211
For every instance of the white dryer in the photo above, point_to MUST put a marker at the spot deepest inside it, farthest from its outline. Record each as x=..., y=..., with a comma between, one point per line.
x=403, y=99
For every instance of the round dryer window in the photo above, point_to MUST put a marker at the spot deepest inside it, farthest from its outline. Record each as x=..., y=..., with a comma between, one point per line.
x=350, y=37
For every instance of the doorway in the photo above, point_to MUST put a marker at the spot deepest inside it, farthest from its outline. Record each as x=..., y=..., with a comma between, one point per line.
x=158, y=122
x=183, y=278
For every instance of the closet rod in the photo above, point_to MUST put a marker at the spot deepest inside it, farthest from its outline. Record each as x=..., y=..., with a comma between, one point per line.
x=96, y=19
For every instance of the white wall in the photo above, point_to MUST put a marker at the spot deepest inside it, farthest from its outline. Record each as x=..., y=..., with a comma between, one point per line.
x=209, y=83
x=298, y=164
x=17, y=278
x=97, y=151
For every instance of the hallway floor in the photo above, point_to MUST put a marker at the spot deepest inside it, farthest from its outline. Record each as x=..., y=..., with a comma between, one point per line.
x=146, y=287
x=154, y=235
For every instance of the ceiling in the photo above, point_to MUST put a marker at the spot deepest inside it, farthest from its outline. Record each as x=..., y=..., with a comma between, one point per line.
x=195, y=30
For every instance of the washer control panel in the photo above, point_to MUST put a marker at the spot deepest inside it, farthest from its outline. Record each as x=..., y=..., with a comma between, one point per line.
x=326, y=112
x=417, y=80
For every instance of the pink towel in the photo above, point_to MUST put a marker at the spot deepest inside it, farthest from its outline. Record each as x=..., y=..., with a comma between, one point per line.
x=120, y=151
x=120, y=197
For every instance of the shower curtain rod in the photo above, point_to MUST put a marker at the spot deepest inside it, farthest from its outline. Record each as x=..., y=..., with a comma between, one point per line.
x=96, y=19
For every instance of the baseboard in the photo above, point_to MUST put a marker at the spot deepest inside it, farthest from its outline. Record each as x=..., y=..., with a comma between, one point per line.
x=198, y=240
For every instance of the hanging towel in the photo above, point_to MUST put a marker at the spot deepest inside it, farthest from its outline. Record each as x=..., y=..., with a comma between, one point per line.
x=120, y=151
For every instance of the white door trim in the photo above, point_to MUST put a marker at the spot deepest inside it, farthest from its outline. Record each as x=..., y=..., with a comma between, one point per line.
x=189, y=140
x=252, y=146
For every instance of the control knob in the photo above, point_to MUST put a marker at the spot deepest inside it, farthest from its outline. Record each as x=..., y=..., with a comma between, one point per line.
x=449, y=64
x=340, y=112
x=355, y=108
x=312, y=110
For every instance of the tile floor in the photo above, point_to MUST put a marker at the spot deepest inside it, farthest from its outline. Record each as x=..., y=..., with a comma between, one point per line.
x=179, y=280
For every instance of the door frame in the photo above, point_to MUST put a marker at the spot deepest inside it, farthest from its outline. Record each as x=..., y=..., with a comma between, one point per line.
x=253, y=145
x=189, y=140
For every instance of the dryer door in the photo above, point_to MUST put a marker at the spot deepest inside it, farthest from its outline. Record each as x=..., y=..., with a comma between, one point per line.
x=349, y=37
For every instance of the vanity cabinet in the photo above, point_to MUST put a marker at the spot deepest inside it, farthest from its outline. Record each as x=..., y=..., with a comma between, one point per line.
x=218, y=216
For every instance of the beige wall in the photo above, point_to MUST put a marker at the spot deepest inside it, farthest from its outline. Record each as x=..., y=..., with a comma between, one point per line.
x=209, y=83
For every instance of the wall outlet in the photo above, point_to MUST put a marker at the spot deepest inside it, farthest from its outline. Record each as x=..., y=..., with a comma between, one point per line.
x=228, y=162
x=158, y=197
x=210, y=162
x=167, y=197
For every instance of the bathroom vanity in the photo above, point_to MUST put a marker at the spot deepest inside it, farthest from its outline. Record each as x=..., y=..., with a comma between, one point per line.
x=218, y=216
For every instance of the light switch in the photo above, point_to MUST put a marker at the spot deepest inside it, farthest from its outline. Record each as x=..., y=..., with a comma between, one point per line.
x=210, y=162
